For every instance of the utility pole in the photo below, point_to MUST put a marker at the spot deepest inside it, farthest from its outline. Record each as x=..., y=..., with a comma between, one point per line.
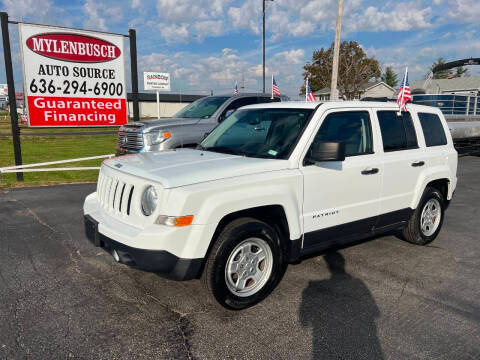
x=263, y=44
x=336, y=53
x=243, y=81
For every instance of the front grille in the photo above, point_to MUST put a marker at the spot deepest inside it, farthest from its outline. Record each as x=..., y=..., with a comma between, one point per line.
x=129, y=139
x=114, y=195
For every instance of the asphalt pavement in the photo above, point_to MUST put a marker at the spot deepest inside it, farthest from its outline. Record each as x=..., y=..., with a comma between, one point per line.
x=62, y=298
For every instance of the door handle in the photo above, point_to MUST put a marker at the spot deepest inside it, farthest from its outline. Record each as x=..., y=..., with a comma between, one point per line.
x=418, y=163
x=370, y=171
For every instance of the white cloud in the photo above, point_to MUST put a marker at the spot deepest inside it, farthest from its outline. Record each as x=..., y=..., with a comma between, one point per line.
x=246, y=17
x=403, y=16
x=463, y=11
x=292, y=56
x=195, y=19
x=43, y=11
x=98, y=15
x=220, y=71
x=208, y=28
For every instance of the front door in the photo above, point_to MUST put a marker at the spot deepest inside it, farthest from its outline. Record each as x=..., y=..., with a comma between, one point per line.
x=342, y=198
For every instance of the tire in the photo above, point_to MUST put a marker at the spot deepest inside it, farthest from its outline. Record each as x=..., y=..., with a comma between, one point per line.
x=434, y=202
x=242, y=243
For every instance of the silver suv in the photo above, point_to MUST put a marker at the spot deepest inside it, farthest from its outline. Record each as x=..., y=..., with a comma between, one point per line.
x=187, y=127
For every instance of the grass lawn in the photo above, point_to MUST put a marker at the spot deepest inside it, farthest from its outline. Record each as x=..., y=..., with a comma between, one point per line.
x=42, y=149
x=6, y=127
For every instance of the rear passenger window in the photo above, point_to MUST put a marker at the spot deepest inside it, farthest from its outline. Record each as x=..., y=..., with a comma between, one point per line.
x=398, y=132
x=432, y=129
x=351, y=128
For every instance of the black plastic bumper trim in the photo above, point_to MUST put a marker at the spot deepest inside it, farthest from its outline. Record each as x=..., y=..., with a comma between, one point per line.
x=158, y=261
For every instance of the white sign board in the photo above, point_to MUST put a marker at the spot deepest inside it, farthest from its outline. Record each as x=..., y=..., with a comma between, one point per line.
x=73, y=77
x=156, y=81
x=3, y=90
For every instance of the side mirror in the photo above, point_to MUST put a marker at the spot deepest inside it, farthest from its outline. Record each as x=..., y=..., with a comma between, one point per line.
x=229, y=112
x=327, y=151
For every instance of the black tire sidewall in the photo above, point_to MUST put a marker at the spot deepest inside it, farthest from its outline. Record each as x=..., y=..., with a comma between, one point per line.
x=229, y=240
x=429, y=194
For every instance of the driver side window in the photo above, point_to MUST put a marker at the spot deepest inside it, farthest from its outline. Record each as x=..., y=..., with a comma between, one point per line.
x=350, y=127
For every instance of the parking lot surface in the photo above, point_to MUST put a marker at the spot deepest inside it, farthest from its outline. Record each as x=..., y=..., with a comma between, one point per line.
x=62, y=298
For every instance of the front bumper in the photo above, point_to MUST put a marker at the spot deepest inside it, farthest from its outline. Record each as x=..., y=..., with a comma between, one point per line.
x=159, y=261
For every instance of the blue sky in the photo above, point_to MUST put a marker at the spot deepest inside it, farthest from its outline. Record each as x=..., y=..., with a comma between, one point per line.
x=208, y=44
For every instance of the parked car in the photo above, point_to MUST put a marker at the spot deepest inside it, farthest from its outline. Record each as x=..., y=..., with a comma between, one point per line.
x=187, y=127
x=271, y=184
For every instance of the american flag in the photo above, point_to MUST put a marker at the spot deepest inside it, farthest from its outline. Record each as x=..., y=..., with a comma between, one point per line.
x=404, y=94
x=310, y=96
x=235, y=89
x=275, y=90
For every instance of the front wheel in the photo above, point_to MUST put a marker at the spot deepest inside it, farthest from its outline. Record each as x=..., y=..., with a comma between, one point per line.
x=245, y=264
x=427, y=220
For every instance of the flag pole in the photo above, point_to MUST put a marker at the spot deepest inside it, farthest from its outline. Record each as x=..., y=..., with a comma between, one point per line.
x=272, y=86
x=403, y=87
x=306, y=90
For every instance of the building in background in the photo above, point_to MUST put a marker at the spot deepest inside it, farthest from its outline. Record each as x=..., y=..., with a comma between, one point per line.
x=169, y=104
x=463, y=85
x=376, y=89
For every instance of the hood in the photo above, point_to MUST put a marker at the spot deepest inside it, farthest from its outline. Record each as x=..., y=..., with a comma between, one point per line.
x=183, y=167
x=167, y=123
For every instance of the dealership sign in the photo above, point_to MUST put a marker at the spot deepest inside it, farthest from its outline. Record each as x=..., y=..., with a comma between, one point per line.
x=156, y=81
x=73, y=77
x=3, y=90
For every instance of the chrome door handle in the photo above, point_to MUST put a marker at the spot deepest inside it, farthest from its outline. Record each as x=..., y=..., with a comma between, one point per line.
x=418, y=163
x=370, y=171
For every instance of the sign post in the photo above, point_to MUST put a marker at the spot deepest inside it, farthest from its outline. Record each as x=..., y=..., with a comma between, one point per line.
x=73, y=78
x=156, y=81
x=11, y=93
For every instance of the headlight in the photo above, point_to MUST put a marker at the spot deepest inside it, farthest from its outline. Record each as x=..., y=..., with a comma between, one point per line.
x=157, y=137
x=149, y=201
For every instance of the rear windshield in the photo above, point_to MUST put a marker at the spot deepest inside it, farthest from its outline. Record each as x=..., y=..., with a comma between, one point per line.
x=202, y=108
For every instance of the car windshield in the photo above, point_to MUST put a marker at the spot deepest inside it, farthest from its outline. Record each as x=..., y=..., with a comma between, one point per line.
x=265, y=133
x=202, y=108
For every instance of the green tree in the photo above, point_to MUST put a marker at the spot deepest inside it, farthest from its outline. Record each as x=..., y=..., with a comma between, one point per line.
x=461, y=71
x=355, y=69
x=389, y=77
x=442, y=74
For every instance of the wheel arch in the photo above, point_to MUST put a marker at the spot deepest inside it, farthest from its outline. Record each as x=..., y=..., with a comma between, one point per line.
x=273, y=215
x=442, y=184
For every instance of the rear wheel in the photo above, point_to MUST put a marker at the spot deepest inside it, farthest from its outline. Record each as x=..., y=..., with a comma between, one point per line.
x=427, y=220
x=245, y=264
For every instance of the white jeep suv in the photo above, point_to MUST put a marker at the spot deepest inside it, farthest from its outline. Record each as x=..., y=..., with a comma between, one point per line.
x=270, y=184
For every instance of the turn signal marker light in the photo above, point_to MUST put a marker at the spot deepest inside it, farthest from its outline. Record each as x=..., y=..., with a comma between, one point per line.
x=177, y=221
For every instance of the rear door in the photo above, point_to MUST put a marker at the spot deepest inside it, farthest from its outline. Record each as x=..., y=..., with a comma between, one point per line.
x=403, y=161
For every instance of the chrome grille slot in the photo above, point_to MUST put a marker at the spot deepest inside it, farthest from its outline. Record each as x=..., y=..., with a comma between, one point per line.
x=130, y=200
x=129, y=139
x=114, y=195
x=125, y=197
x=111, y=194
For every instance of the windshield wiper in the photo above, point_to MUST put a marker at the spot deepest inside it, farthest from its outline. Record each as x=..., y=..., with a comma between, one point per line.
x=223, y=149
